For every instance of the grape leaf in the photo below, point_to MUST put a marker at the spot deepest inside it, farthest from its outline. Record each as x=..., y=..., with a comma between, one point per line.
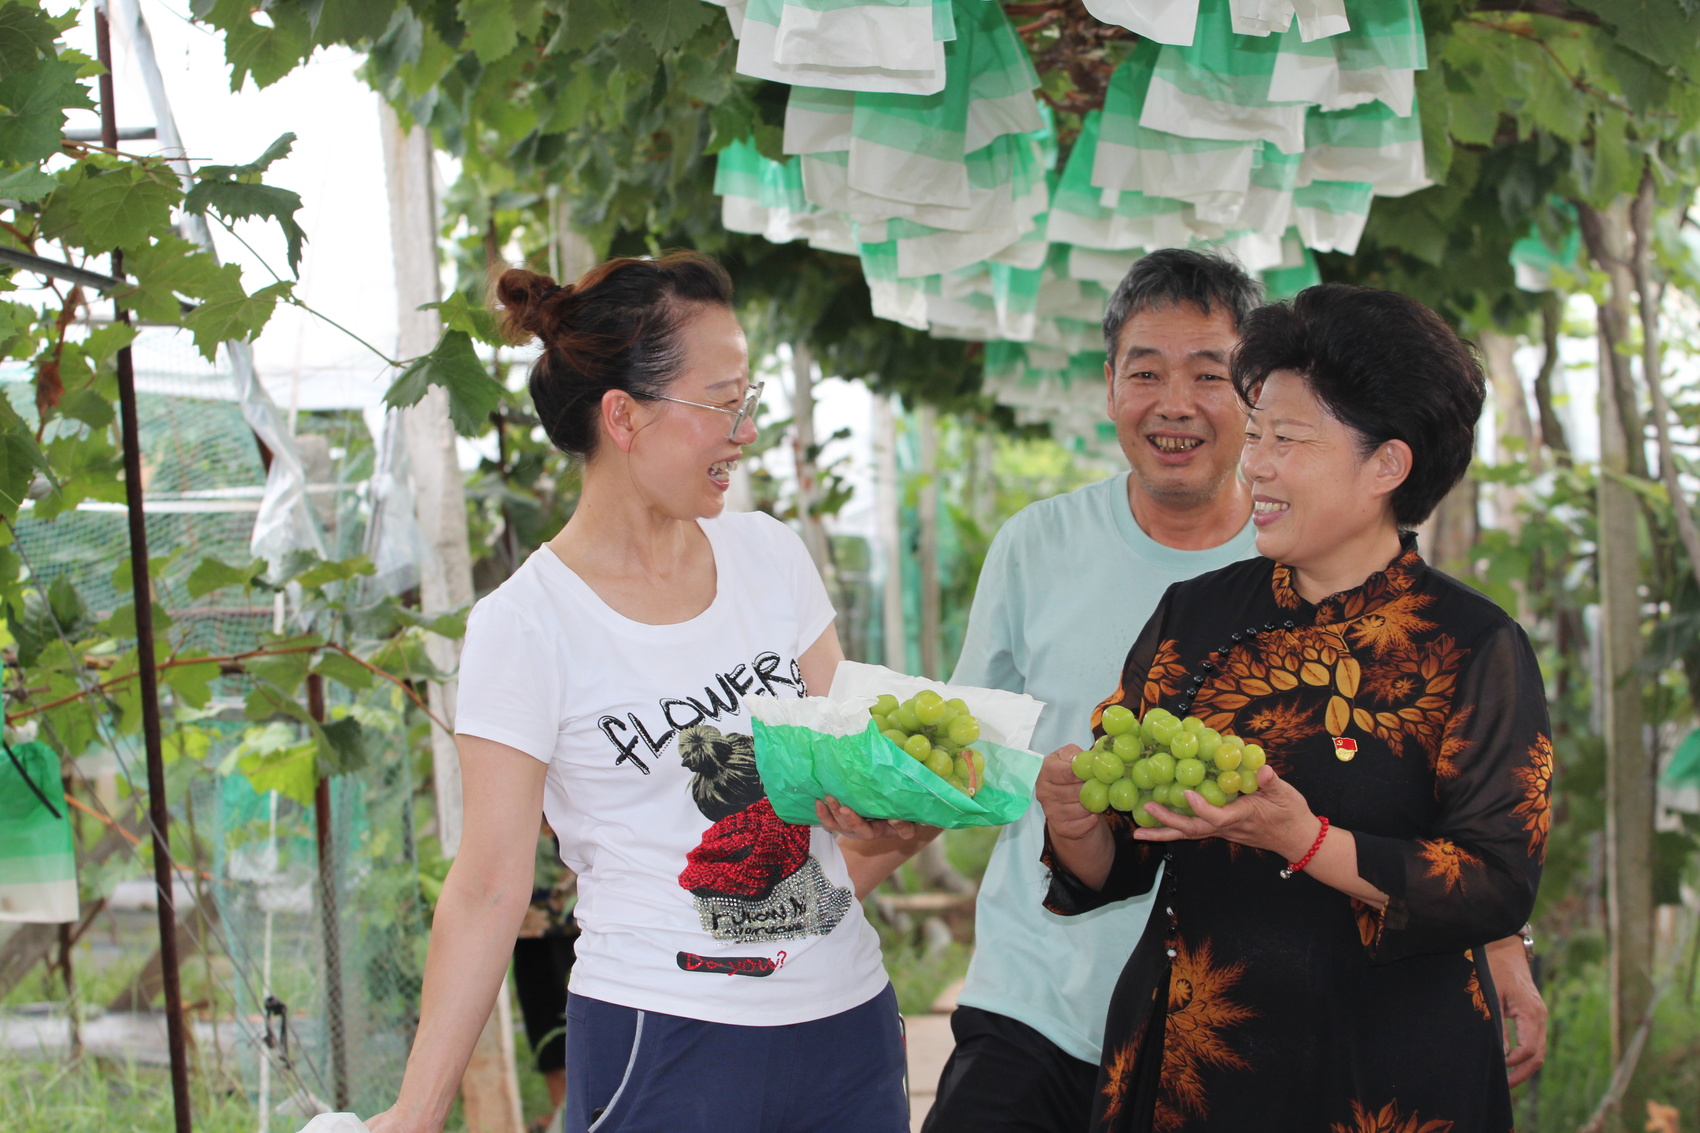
x=490, y=28
x=165, y=270
x=277, y=151
x=671, y=23
x=112, y=208
x=214, y=574
x=268, y=54
x=26, y=35
x=20, y=456
x=192, y=683
x=26, y=185
x=229, y=313
x=344, y=671
x=459, y=313
x=35, y=101
x=241, y=200
x=455, y=366
x=342, y=746
x=292, y=772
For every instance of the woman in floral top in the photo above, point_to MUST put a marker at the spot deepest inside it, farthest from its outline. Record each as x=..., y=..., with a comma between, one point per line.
x=1352, y=996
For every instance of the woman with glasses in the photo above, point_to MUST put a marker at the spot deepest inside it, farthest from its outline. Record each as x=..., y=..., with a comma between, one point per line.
x=725, y=975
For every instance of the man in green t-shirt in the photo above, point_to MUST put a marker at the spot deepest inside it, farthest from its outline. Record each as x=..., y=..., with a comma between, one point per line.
x=1066, y=588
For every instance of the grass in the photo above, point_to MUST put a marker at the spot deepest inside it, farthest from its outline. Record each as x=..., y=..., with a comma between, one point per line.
x=1578, y=1066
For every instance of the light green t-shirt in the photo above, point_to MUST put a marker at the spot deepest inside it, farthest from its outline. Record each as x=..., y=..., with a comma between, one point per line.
x=1068, y=584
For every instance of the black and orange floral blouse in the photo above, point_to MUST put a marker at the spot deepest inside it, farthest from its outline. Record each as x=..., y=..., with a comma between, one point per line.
x=1409, y=711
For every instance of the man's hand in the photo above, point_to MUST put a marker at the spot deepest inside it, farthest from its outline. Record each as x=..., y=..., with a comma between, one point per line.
x=1520, y=1000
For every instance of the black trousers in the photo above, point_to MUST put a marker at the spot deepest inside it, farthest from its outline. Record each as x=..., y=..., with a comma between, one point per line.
x=1005, y=1077
x=541, y=967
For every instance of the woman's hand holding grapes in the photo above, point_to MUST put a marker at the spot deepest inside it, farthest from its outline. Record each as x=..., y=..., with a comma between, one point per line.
x=1080, y=839
x=1276, y=817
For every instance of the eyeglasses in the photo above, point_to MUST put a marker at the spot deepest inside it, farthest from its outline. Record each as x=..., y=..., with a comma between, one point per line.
x=739, y=415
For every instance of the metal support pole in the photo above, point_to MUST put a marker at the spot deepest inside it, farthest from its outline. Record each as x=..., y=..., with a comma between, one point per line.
x=142, y=592
x=328, y=912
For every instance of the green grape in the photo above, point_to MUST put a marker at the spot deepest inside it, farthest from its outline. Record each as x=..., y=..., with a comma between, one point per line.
x=946, y=746
x=918, y=746
x=1118, y=719
x=1229, y=781
x=948, y=713
x=1212, y=793
x=1174, y=797
x=979, y=759
x=1124, y=796
x=1148, y=729
x=904, y=717
x=956, y=705
x=1192, y=724
x=1184, y=746
x=1228, y=758
x=1209, y=743
x=1094, y=796
x=1082, y=766
x=1165, y=731
x=1103, y=743
x=1142, y=816
x=881, y=723
x=960, y=765
x=1252, y=758
x=1139, y=771
x=900, y=738
x=940, y=764
x=1127, y=745
x=885, y=705
x=1233, y=742
x=1162, y=767
x=1189, y=772
x=930, y=711
x=964, y=730
x=1107, y=766
x=1161, y=714
x=1248, y=782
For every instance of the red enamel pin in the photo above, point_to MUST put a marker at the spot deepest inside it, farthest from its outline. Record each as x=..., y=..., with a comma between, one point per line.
x=1345, y=749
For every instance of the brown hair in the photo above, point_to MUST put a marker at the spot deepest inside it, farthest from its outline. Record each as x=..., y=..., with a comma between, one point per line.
x=616, y=328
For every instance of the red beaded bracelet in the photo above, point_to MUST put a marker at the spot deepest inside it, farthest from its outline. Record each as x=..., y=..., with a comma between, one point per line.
x=1298, y=866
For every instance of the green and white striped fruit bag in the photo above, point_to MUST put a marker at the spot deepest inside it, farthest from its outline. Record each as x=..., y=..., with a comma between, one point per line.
x=827, y=745
x=38, y=858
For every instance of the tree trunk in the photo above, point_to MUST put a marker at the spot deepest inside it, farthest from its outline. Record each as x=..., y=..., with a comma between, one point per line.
x=932, y=661
x=1552, y=429
x=1652, y=368
x=805, y=454
x=1448, y=538
x=490, y=1086
x=895, y=638
x=1629, y=774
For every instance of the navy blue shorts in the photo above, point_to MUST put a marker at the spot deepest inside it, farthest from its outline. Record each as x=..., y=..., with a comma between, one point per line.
x=631, y=1071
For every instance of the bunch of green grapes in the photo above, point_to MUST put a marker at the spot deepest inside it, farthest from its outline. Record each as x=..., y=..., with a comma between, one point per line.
x=1158, y=759
x=937, y=733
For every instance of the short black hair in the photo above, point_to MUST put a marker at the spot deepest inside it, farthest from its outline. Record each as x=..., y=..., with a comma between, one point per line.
x=1169, y=277
x=1385, y=366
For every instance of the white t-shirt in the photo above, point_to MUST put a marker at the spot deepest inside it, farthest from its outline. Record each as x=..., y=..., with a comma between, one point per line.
x=694, y=898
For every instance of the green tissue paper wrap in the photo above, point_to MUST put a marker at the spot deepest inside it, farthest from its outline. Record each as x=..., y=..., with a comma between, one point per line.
x=819, y=746
x=877, y=779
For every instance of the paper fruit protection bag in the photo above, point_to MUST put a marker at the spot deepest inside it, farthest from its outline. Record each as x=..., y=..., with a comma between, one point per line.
x=828, y=745
x=38, y=860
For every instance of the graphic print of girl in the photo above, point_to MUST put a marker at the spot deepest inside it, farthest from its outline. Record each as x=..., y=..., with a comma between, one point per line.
x=752, y=876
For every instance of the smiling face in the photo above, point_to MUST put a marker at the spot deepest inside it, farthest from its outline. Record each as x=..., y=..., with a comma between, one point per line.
x=1316, y=496
x=681, y=459
x=1175, y=412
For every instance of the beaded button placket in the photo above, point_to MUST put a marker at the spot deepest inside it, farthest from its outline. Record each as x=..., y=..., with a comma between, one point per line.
x=1210, y=665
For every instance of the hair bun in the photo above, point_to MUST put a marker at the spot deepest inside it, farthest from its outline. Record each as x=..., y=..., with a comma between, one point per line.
x=521, y=296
